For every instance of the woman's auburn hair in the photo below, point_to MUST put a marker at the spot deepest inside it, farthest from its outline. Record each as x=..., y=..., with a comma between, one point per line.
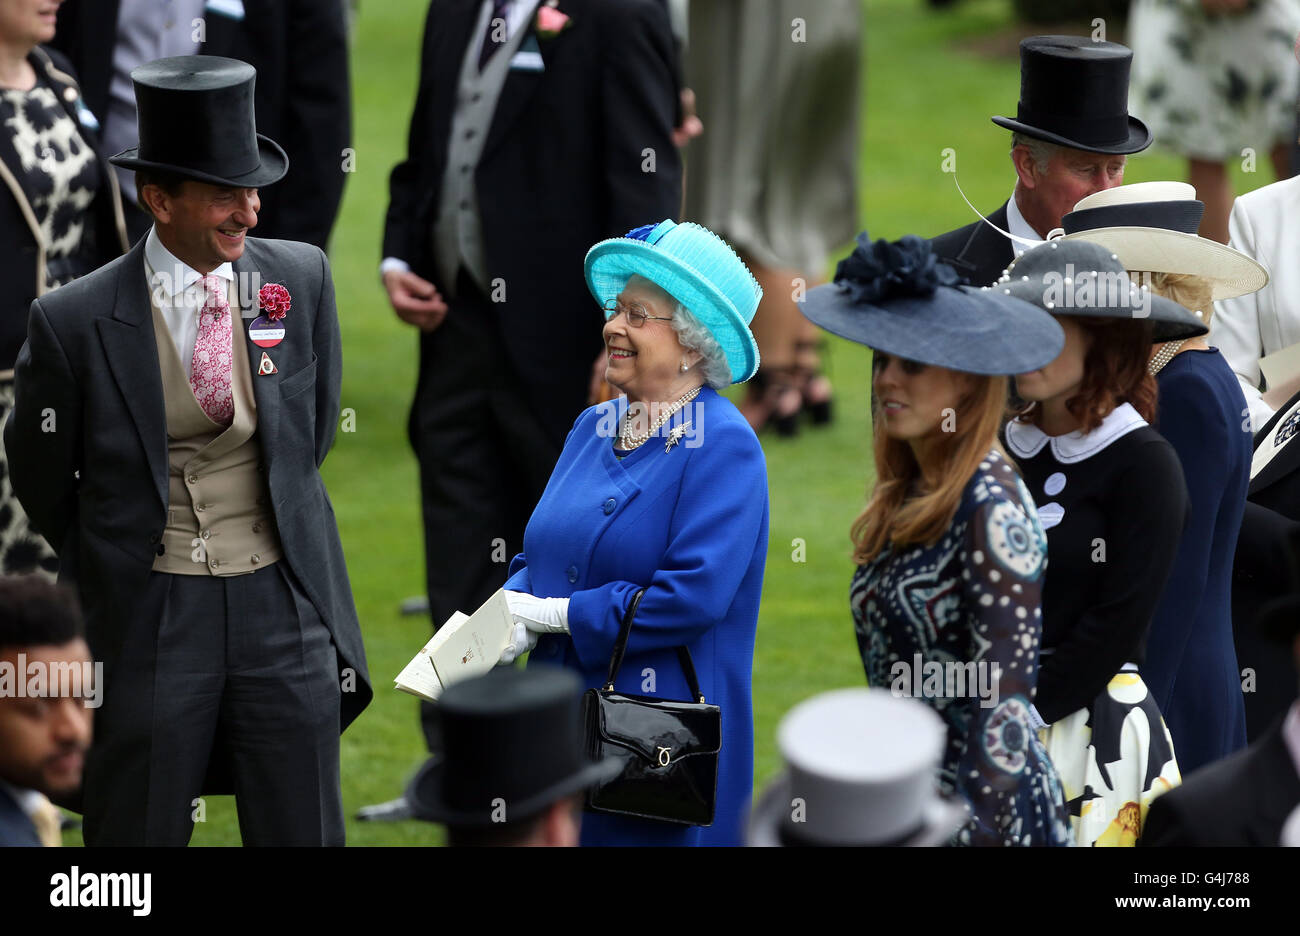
x=1114, y=372
x=910, y=505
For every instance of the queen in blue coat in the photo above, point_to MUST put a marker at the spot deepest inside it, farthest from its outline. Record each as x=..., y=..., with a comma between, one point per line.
x=663, y=488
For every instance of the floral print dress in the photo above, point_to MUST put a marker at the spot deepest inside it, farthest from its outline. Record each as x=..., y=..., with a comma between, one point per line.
x=956, y=625
x=1210, y=85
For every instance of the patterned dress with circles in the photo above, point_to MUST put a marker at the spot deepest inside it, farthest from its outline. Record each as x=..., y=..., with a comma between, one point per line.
x=956, y=625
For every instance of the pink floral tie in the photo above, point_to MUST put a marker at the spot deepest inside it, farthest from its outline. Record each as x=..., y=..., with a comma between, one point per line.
x=210, y=374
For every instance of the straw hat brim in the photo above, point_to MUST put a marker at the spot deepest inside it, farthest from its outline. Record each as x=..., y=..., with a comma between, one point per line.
x=1158, y=250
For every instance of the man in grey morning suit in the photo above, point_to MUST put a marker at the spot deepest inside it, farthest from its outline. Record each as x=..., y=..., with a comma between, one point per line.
x=168, y=446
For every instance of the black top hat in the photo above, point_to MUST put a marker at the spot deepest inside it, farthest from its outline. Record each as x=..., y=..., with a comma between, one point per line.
x=512, y=738
x=195, y=114
x=1074, y=92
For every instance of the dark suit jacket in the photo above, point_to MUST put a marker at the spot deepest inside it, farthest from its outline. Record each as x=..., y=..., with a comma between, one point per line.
x=15, y=825
x=563, y=166
x=303, y=98
x=1243, y=799
x=1261, y=574
x=96, y=485
x=18, y=246
x=976, y=251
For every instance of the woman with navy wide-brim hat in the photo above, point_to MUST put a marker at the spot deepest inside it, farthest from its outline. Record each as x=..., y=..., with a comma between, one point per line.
x=663, y=488
x=1112, y=498
x=950, y=554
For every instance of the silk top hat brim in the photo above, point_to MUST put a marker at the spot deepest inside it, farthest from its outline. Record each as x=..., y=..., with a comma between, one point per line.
x=941, y=818
x=1138, y=138
x=195, y=115
x=961, y=328
x=1083, y=279
x=1151, y=227
x=427, y=794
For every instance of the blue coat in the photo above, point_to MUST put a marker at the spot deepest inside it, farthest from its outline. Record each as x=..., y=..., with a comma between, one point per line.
x=690, y=525
x=1191, y=663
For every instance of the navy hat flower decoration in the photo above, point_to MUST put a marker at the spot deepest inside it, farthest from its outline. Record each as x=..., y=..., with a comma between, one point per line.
x=882, y=269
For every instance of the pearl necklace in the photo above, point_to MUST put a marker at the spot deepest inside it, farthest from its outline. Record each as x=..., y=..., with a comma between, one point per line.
x=628, y=442
x=1164, y=356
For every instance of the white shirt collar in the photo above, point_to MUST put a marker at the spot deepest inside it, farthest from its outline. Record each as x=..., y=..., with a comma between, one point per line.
x=1018, y=226
x=172, y=274
x=1026, y=440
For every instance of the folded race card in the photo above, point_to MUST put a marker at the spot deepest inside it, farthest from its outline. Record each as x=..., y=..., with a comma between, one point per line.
x=464, y=647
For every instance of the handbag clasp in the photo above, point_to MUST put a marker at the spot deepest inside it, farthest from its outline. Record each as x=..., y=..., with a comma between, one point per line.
x=665, y=756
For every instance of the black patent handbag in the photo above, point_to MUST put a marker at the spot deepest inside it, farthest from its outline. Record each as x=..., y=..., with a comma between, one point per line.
x=668, y=750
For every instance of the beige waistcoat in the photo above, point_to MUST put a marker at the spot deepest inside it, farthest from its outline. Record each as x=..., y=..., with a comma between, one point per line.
x=219, y=519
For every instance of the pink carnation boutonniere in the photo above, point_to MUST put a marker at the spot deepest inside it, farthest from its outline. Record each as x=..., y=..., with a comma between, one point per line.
x=550, y=21
x=273, y=299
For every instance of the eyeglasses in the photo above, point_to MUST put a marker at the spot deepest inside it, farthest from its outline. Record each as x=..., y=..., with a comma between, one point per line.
x=636, y=315
x=880, y=360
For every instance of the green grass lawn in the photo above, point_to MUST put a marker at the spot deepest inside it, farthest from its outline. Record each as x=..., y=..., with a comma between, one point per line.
x=926, y=89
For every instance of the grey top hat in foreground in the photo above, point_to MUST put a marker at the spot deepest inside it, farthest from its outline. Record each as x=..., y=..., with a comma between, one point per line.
x=1080, y=278
x=196, y=120
x=860, y=770
x=899, y=298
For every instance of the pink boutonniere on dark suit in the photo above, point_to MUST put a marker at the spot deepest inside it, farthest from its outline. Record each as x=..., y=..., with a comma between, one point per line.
x=550, y=21
x=274, y=300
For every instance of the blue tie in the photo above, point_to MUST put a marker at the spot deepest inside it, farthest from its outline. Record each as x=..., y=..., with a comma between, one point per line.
x=490, y=45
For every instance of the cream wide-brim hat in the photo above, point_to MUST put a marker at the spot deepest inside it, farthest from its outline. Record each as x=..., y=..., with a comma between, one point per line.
x=1151, y=227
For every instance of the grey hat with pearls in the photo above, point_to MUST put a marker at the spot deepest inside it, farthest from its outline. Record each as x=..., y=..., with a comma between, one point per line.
x=1084, y=279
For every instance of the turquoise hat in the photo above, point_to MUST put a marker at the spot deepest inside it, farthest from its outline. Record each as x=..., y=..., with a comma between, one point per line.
x=695, y=267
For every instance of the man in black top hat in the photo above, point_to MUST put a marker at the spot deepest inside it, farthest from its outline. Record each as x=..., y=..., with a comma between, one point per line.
x=1246, y=798
x=169, y=448
x=1070, y=138
x=513, y=769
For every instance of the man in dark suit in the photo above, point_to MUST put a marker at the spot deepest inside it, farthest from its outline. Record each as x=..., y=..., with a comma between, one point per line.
x=538, y=130
x=1070, y=138
x=1260, y=573
x=169, y=450
x=1244, y=799
x=43, y=737
x=300, y=51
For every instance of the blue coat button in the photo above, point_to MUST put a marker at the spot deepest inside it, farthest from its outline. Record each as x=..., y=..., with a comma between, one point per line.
x=609, y=506
x=572, y=572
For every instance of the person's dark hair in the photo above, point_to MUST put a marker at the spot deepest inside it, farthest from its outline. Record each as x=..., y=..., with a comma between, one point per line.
x=169, y=182
x=36, y=612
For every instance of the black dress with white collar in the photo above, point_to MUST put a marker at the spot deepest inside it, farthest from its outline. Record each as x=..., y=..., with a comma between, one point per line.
x=1113, y=503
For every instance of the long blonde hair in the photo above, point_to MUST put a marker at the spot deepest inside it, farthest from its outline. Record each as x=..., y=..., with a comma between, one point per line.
x=913, y=505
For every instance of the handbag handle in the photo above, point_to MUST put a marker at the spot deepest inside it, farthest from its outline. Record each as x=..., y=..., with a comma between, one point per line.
x=620, y=649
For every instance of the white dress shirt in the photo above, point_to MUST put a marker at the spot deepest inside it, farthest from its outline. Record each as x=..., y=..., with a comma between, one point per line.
x=1017, y=225
x=175, y=286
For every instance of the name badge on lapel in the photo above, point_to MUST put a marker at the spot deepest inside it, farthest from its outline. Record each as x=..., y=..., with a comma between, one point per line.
x=529, y=56
x=231, y=9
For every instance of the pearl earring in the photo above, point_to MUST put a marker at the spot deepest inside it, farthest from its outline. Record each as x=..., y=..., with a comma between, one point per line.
x=685, y=367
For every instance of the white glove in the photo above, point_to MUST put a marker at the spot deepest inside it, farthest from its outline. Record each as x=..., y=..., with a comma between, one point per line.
x=521, y=642
x=539, y=615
